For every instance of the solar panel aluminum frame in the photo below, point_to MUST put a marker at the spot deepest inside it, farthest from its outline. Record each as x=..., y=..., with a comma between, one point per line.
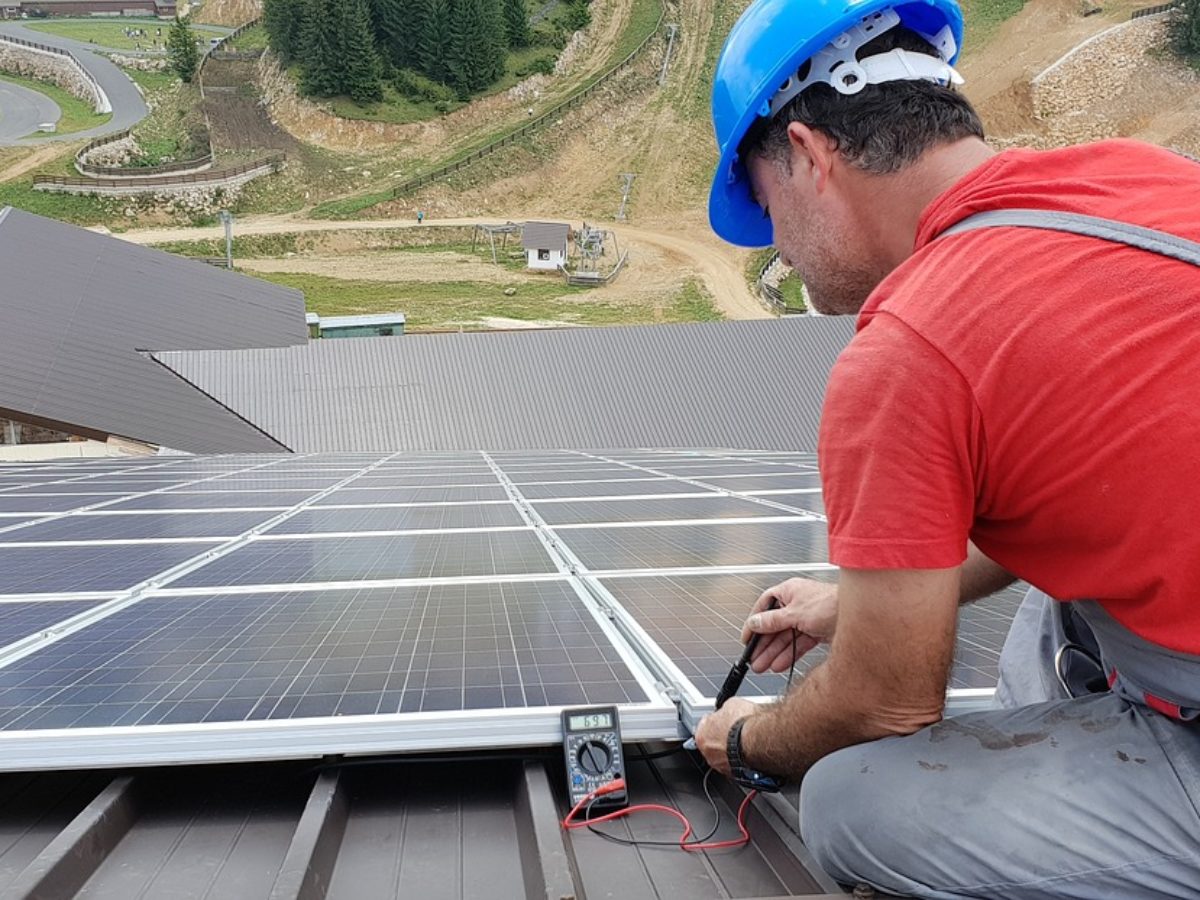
x=114, y=746
x=693, y=704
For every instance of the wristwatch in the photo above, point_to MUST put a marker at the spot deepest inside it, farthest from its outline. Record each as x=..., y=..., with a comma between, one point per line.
x=739, y=771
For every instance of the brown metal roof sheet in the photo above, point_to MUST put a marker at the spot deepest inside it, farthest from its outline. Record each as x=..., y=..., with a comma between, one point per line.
x=77, y=307
x=756, y=385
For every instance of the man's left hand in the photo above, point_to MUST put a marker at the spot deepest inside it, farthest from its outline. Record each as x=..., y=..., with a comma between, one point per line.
x=713, y=733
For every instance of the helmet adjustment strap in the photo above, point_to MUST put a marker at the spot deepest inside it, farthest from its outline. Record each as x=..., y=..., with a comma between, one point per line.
x=837, y=65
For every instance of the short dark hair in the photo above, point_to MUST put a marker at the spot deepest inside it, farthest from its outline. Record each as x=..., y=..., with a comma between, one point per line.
x=883, y=128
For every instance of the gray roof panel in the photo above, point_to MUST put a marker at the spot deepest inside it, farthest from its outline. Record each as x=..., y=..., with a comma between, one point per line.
x=544, y=235
x=76, y=309
x=757, y=384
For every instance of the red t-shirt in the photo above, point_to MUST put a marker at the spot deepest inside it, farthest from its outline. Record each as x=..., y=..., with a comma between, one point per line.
x=1036, y=391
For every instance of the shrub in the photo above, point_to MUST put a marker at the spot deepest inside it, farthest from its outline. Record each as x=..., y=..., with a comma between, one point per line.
x=416, y=86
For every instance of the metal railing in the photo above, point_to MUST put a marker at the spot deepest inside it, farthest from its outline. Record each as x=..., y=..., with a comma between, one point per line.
x=99, y=98
x=217, y=176
x=530, y=126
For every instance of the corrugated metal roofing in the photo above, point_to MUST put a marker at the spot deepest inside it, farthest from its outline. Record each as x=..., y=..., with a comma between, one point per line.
x=544, y=235
x=454, y=828
x=755, y=385
x=77, y=307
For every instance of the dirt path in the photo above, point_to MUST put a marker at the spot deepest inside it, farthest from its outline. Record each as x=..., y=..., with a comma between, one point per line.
x=23, y=164
x=998, y=73
x=717, y=266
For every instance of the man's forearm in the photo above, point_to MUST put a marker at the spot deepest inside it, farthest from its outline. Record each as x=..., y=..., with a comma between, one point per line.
x=981, y=576
x=788, y=737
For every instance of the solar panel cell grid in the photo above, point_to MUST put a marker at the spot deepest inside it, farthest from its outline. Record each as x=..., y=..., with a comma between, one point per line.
x=664, y=509
x=400, y=518
x=213, y=500
x=50, y=503
x=678, y=546
x=414, y=495
x=624, y=487
x=134, y=527
x=20, y=620
x=696, y=620
x=114, y=567
x=369, y=558
x=276, y=656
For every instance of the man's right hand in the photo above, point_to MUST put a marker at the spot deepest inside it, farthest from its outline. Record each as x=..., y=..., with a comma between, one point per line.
x=808, y=607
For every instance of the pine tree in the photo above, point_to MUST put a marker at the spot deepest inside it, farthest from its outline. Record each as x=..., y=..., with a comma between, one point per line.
x=284, y=21
x=397, y=25
x=360, y=69
x=1188, y=31
x=474, y=52
x=432, y=30
x=321, y=51
x=516, y=23
x=181, y=49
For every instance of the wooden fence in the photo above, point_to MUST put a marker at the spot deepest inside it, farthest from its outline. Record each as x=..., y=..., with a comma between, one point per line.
x=529, y=127
x=186, y=165
x=1153, y=10
x=117, y=186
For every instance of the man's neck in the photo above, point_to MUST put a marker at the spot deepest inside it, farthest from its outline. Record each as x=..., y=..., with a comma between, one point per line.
x=892, y=204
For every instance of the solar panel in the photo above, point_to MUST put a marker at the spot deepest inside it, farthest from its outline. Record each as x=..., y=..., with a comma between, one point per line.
x=70, y=569
x=697, y=619
x=622, y=488
x=714, y=506
x=401, y=518
x=680, y=546
x=49, y=503
x=761, y=482
x=212, y=500
x=413, y=608
x=92, y=527
x=415, y=495
x=338, y=653
x=20, y=620
x=372, y=558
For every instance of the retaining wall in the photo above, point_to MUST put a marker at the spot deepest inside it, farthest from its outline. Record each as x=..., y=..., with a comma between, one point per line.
x=167, y=185
x=56, y=66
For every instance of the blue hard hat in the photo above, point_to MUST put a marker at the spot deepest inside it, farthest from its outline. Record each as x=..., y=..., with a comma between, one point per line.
x=765, y=49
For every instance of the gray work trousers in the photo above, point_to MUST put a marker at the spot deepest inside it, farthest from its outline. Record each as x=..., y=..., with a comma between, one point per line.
x=1046, y=797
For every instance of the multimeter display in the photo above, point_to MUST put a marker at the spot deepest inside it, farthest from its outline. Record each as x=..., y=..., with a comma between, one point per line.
x=593, y=754
x=589, y=721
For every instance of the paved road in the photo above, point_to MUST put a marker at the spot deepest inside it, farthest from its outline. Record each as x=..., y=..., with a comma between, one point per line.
x=22, y=110
x=128, y=106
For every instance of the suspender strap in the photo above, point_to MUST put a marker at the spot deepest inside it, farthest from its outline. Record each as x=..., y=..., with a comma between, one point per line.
x=1159, y=242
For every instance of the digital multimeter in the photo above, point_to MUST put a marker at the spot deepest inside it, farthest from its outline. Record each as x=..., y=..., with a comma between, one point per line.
x=592, y=747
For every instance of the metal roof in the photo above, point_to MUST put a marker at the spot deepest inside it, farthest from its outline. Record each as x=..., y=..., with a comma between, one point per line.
x=544, y=235
x=393, y=318
x=755, y=385
x=459, y=827
x=79, y=310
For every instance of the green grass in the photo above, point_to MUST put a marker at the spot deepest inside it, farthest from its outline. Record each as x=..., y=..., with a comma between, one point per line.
x=112, y=34
x=983, y=19
x=394, y=108
x=152, y=81
x=64, y=207
x=76, y=114
x=792, y=289
x=453, y=304
x=642, y=20
x=251, y=39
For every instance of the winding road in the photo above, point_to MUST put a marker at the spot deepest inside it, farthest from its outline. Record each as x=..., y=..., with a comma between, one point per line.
x=128, y=106
x=22, y=110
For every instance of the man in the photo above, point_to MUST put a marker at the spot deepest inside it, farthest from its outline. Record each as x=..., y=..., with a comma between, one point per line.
x=1017, y=402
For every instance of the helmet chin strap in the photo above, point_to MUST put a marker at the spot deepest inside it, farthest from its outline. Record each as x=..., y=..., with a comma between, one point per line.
x=837, y=65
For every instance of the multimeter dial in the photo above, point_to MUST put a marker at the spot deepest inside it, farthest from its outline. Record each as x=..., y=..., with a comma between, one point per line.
x=593, y=757
x=592, y=751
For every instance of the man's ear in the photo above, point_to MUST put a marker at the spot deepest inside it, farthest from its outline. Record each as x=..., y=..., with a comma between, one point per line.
x=813, y=154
